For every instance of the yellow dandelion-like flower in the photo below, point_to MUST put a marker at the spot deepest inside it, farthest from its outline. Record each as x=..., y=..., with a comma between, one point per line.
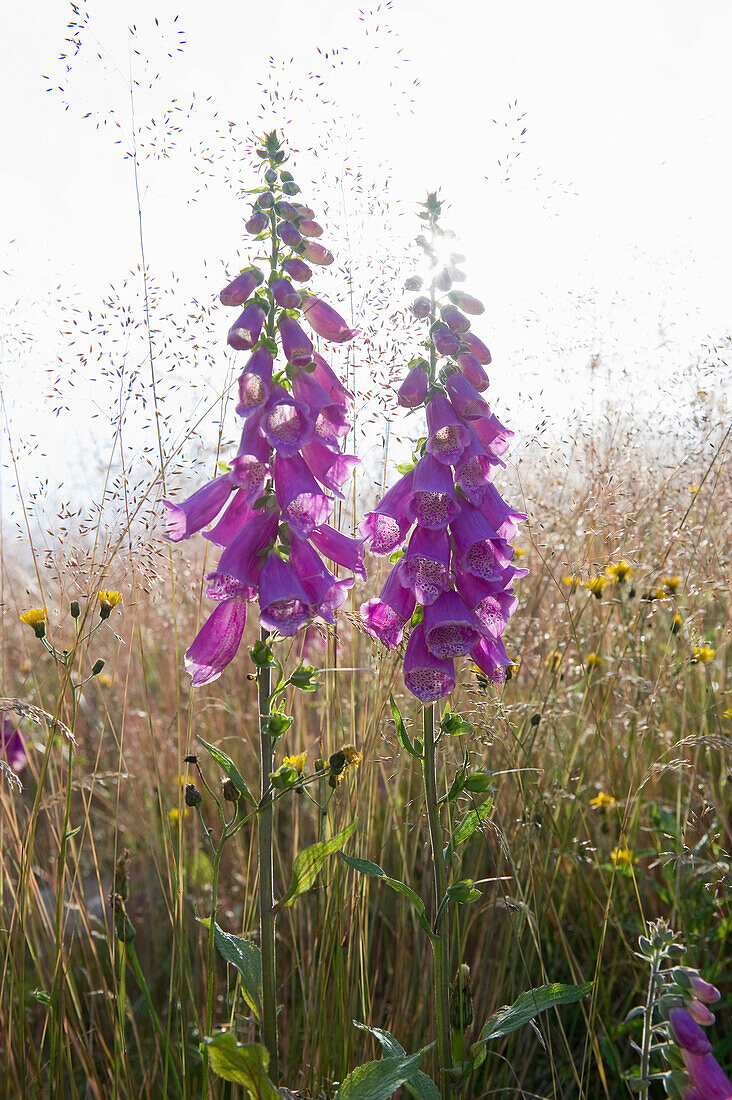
x=693, y=488
x=36, y=618
x=676, y=624
x=174, y=814
x=623, y=857
x=671, y=583
x=594, y=660
x=702, y=654
x=107, y=600
x=572, y=581
x=619, y=571
x=553, y=661
x=655, y=594
x=728, y=713
x=513, y=669
x=296, y=762
x=596, y=585
x=603, y=801
x=519, y=552
x=104, y=679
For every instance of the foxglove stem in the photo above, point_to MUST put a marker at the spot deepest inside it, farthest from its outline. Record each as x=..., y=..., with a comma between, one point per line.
x=441, y=944
x=266, y=889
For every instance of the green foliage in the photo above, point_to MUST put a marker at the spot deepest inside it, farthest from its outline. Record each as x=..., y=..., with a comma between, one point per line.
x=525, y=1008
x=230, y=769
x=309, y=862
x=401, y=731
x=245, y=955
x=465, y=829
x=366, y=867
x=378, y=1080
x=419, y=1084
x=243, y=1064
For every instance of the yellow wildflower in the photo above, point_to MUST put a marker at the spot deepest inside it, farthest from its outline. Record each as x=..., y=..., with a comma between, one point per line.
x=620, y=571
x=603, y=801
x=513, y=669
x=676, y=624
x=623, y=857
x=107, y=600
x=594, y=660
x=174, y=815
x=572, y=581
x=702, y=654
x=553, y=661
x=105, y=679
x=296, y=762
x=693, y=488
x=728, y=713
x=36, y=618
x=655, y=594
x=341, y=761
x=671, y=583
x=596, y=585
x=519, y=552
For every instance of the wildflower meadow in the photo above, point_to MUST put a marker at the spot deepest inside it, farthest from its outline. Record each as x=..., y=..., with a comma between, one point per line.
x=365, y=721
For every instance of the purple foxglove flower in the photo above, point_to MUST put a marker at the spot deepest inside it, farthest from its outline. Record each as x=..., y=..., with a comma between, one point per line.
x=266, y=200
x=331, y=469
x=421, y=307
x=700, y=1012
x=413, y=283
x=428, y=677
x=234, y=517
x=455, y=320
x=297, y=347
x=242, y=558
x=324, y=320
x=503, y=519
x=303, y=211
x=450, y=629
x=492, y=434
x=687, y=1033
x=340, y=548
x=299, y=496
x=12, y=749
x=217, y=642
x=252, y=441
x=286, y=423
x=491, y=658
x=331, y=425
x=413, y=389
x=285, y=294
x=200, y=509
x=309, y=228
x=703, y=991
x=446, y=342
x=288, y=234
x=465, y=399
x=477, y=347
x=316, y=254
x=286, y=210
x=467, y=303
x=325, y=592
x=247, y=328
x=222, y=587
x=307, y=389
x=432, y=501
x=386, y=527
x=443, y=280
x=255, y=382
x=385, y=617
x=492, y=606
x=257, y=223
x=249, y=474
x=707, y=1076
x=475, y=470
x=425, y=565
x=331, y=383
x=297, y=269
x=448, y=436
x=283, y=602
x=471, y=368
x=479, y=549
x=242, y=287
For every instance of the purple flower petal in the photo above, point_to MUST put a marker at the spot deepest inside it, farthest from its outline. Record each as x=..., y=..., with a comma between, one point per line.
x=451, y=630
x=247, y=328
x=425, y=565
x=242, y=287
x=286, y=423
x=200, y=509
x=324, y=320
x=341, y=549
x=297, y=269
x=387, y=525
x=255, y=382
x=473, y=371
x=304, y=506
x=413, y=389
x=283, y=602
x=432, y=502
x=12, y=747
x=477, y=347
x=233, y=519
x=465, y=399
x=242, y=558
x=448, y=436
x=707, y=1076
x=455, y=320
x=316, y=254
x=491, y=658
x=687, y=1032
x=298, y=348
x=285, y=294
x=217, y=642
x=428, y=677
x=331, y=469
x=385, y=617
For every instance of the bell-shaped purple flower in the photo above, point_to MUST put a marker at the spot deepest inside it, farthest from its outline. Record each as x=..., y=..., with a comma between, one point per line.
x=309, y=228
x=703, y=991
x=266, y=200
x=479, y=549
x=331, y=383
x=242, y=287
x=331, y=425
x=332, y=469
x=247, y=328
x=492, y=605
x=477, y=347
x=432, y=502
x=386, y=527
x=286, y=423
x=325, y=592
x=257, y=223
x=414, y=282
x=450, y=629
x=286, y=210
x=473, y=371
x=217, y=642
x=324, y=320
x=503, y=520
x=297, y=269
x=448, y=436
x=288, y=234
x=465, y=399
x=494, y=437
x=307, y=388
x=12, y=748
x=427, y=676
x=413, y=389
x=425, y=565
x=255, y=382
x=340, y=548
x=491, y=658
x=298, y=348
x=467, y=303
x=252, y=441
x=421, y=307
x=700, y=1012
x=316, y=253
x=249, y=474
x=233, y=519
x=706, y=1076
x=242, y=558
x=285, y=294
x=283, y=602
x=200, y=509
x=385, y=616
x=442, y=280
x=687, y=1033
x=445, y=341
x=475, y=470
x=303, y=504
x=455, y=320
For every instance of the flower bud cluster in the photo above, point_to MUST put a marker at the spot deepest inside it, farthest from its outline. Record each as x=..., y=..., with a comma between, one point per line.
x=689, y=1013
x=456, y=570
x=273, y=505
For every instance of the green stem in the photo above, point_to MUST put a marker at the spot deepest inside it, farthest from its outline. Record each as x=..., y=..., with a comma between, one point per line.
x=266, y=875
x=57, y=994
x=441, y=944
x=211, y=961
x=134, y=962
x=645, y=1059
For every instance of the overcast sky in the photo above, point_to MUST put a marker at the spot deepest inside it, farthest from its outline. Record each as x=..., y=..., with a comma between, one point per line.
x=604, y=230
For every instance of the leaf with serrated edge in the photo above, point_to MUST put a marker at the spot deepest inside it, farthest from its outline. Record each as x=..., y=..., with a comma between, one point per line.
x=245, y=955
x=378, y=1080
x=529, y=1005
x=420, y=1085
x=244, y=1064
x=309, y=862
x=366, y=867
x=230, y=769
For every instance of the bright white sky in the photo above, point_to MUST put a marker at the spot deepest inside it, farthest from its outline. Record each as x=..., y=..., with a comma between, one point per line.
x=609, y=235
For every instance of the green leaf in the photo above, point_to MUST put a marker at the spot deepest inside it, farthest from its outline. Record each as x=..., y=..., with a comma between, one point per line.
x=245, y=955
x=454, y=725
x=420, y=1085
x=405, y=467
x=378, y=1080
x=230, y=769
x=366, y=867
x=309, y=862
x=529, y=1005
x=401, y=731
x=472, y=821
x=244, y=1064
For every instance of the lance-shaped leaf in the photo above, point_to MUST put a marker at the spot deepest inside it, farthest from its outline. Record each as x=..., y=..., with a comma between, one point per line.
x=525, y=1008
x=420, y=1085
x=229, y=769
x=401, y=730
x=366, y=867
x=378, y=1080
x=465, y=829
x=309, y=862
x=245, y=955
x=244, y=1064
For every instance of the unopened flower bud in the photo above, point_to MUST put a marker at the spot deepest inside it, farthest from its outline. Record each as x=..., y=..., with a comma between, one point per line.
x=75, y=609
x=266, y=200
x=193, y=796
x=413, y=389
x=421, y=307
x=297, y=269
x=97, y=667
x=461, y=999
x=257, y=223
x=288, y=234
x=413, y=283
x=230, y=791
x=270, y=176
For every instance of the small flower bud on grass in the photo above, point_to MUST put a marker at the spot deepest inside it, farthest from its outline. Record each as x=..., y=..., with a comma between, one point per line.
x=97, y=667
x=229, y=790
x=75, y=609
x=192, y=795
